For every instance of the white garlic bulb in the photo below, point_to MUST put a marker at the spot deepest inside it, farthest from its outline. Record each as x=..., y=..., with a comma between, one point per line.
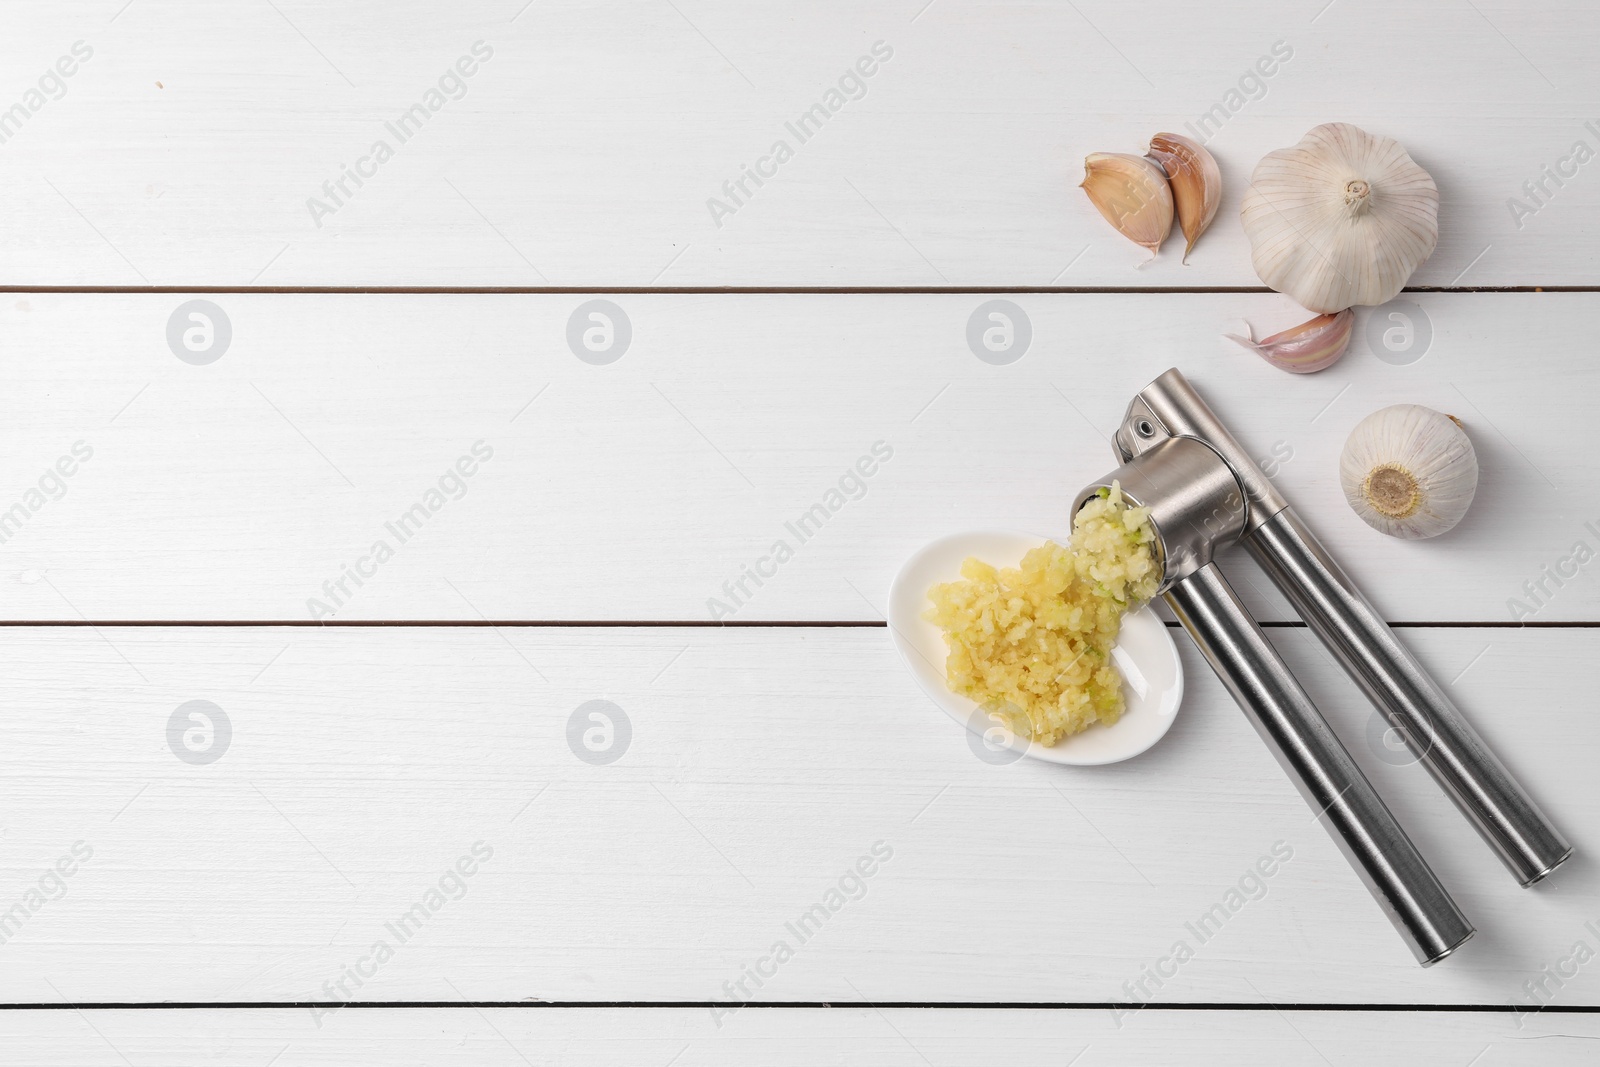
x=1341, y=218
x=1409, y=471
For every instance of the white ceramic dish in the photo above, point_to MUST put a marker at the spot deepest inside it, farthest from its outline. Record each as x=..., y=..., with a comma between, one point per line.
x=1145, y=654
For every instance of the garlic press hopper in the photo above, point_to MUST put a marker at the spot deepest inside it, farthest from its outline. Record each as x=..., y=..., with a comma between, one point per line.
x=1204, y=494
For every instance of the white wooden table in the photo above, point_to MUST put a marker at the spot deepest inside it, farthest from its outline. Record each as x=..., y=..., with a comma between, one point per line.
x=382, y=723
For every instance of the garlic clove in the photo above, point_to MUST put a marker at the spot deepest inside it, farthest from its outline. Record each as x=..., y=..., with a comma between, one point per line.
x=1196, y=183
x=1409, y=471
x=1306, y=348
x=1133, y=195
x=1342, y=218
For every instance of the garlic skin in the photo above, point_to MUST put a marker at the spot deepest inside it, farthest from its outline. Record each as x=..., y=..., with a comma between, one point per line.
x=1306, y=348
x=1196, y=183
x=1409, y=471
x=1133, y=195
x=1341, y=218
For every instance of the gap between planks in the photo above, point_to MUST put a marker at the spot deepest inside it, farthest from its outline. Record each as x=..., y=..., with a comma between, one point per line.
x=736, y=290
x=1177, y=1006
x=694, y=624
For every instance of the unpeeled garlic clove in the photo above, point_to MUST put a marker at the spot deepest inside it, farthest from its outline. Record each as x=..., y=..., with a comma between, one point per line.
x=1196, y=183
x=1133, y=195
x=1306, y=348
x=1409, y=471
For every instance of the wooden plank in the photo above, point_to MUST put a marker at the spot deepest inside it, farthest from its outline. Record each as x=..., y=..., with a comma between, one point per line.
x=189, y=147
x=499, y=1037
x=643, y=489
x=761, y=766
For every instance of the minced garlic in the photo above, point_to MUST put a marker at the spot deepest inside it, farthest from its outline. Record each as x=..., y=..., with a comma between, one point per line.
x=1036, y=640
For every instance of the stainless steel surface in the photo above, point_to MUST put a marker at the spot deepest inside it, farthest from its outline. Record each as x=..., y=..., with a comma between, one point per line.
x=1204, y=492
x=1170, y=407
x=1409, y=699
x=1196, y=504
x=1353, y=813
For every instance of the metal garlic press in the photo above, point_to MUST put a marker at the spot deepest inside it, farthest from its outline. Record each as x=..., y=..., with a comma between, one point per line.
x=1204, y=494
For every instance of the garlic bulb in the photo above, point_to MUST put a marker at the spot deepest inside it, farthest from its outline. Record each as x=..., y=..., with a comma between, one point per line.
x=1341, y=218
x=1306, y=348
x=1409, y=471
x=1133, y=195
x=1196, y=183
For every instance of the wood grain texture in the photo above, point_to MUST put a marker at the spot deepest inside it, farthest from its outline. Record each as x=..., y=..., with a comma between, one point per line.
x=585, y=151
x=571, y=144
x=763, y=764
x=890, y=1037
x=636, y=490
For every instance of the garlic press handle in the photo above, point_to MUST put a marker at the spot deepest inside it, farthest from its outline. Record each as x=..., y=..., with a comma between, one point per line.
x=1319, y=765
x=1412, y=702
